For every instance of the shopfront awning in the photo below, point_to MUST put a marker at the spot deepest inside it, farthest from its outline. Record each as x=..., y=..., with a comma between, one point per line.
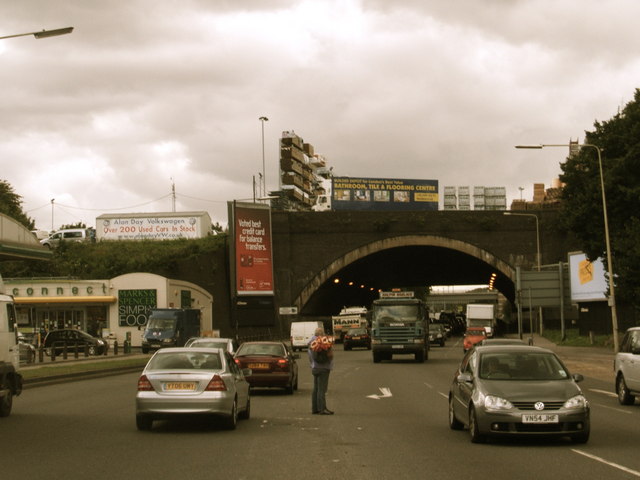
x=65, y=299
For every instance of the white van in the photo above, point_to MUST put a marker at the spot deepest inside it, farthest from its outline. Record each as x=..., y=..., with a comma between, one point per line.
x=301, y=333
x=69, y=235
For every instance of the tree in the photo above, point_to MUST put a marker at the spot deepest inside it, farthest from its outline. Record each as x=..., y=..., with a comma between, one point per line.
x=11, y=205
x=619, y=142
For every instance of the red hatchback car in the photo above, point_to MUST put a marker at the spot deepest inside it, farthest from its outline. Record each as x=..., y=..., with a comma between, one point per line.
x=472, y=336
x=272, y=364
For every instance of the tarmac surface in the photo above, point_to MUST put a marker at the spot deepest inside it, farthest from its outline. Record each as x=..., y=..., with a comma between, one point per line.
x=593, y=362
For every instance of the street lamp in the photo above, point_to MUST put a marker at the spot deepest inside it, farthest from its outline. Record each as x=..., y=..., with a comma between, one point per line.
x=264, y=178
x=43, y=33
x=612, y=297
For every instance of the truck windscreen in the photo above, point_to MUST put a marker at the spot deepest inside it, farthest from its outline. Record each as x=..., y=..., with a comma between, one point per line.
x=396, y=312
x=161, y=323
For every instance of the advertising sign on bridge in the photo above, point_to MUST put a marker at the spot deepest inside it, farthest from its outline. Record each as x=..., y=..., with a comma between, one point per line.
x=389, y=194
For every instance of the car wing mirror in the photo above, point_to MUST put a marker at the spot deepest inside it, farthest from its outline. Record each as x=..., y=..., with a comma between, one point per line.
x=577, y=377
x=465, y=378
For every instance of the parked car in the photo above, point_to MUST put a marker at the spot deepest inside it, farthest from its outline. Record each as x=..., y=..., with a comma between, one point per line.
x=472, y=336
x=517, y=390
x=227, y=344
x=357, y=337
x=72, y=338
x=272, y=364
x=437, y=334
x=627, y=367
x=69, y=235
x=192, y=381
x=27, y=350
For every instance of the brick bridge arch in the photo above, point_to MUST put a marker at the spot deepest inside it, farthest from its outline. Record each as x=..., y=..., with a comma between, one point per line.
x=351, y=256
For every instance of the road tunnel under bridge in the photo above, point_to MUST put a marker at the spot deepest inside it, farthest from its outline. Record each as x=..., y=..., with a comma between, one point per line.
x=408, y=262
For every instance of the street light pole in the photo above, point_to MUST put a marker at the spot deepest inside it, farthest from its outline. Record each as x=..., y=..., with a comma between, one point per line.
x=43, y=33
x=612, y=296
x=264, y=177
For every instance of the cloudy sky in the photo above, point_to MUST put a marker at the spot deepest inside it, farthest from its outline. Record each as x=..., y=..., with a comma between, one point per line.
x=144, y=94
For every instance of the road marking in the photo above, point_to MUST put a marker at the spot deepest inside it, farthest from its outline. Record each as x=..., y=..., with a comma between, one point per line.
x=612, y=408
x=386, y=393
x=604, y=392
x=611, y=464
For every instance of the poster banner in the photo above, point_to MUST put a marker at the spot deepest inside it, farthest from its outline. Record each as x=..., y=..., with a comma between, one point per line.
x=253, y=252
x=588, y=280
x=390, y=194
x=134, y=306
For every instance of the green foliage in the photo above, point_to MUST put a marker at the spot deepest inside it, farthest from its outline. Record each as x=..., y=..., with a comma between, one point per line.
x=110, y=259
x=11, y=205
x=574, y=339
x=619, y=142
x=76, y=225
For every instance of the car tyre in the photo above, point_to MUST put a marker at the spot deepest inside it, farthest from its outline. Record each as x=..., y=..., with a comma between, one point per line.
x=580, y=437
x=7, y=401
x=474, y=430
x=624, y=397
x=454, y=423
x=419, y=356
x=290, y=388
x=246, y=413
x=231, y=422
x=376, y=358
x=144, y=422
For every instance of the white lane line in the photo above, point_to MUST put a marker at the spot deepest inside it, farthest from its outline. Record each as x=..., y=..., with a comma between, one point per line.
x=619, y=410
x=604, y=392
x=611, y=464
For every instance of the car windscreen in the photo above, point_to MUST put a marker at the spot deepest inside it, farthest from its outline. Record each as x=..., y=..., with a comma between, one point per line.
x=356, y=331
x=185, y=361
x=161, y=323
x=521, y=366
x=260, y=349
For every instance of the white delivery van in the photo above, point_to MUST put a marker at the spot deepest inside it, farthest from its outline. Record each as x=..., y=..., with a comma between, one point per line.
x=301, y=333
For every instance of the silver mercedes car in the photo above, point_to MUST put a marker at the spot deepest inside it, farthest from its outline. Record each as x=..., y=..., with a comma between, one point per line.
x=517, y=390
x=192, y=381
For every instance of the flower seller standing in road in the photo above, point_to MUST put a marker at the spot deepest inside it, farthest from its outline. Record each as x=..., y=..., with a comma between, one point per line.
x=321, y=358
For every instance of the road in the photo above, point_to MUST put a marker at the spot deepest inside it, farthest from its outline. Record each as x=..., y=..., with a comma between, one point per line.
x=87, y=429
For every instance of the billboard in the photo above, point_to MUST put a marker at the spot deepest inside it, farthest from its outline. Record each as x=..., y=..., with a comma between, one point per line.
x=253, y=249
x=390, y=194
x=153, y=226
x=588, y=280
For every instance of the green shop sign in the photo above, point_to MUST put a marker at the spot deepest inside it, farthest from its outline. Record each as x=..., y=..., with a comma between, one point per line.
x=134, y=306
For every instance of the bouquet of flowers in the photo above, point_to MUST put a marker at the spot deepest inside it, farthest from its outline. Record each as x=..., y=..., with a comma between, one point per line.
x=321, y=343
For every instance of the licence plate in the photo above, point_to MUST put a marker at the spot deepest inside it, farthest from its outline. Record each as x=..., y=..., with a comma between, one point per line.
x=180, y=386
x=355, y=338
x=258, y=366
x=397, y=346
x=539, y=418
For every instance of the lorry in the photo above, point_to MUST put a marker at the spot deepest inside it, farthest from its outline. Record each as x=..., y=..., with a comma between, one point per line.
x=170, y=327
x=481, y=315
x=301, y=333
x=399, y=326
x=377, y=194
x=10, y=377
x=349, y=317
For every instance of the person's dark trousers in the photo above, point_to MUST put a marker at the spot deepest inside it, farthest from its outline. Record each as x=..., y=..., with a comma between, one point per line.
x=320, y=386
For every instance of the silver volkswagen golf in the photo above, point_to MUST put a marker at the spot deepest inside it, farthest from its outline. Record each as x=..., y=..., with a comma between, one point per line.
x=517, y=390
x=192, y=381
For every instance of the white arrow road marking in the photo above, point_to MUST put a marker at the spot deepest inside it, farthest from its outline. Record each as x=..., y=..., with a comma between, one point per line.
x=386, y=393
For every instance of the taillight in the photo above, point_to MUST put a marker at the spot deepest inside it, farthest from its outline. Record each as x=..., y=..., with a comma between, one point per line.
x=144, y=385
x=237, y=361
x=283, y=362
x=216, y=385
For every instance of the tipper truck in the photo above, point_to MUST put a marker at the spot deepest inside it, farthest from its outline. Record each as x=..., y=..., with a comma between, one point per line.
x=399, y=326
x=10, y=378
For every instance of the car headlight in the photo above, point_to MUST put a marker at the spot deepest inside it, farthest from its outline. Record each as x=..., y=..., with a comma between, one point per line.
x=491, y=402
x=579, y=401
